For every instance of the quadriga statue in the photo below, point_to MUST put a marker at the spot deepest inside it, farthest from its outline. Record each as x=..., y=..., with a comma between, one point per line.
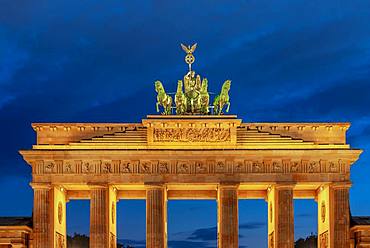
x=192, y=96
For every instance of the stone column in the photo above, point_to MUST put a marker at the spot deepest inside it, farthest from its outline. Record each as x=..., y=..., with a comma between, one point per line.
x=59, y=225
x=156, y=216
x=102, y=217
x=228, y=227
x=334, y=216
x=280, y=216
x=41, y=216
x=49, y=216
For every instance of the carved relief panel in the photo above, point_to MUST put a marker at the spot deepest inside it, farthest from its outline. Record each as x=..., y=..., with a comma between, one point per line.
x=69, y=167
x=271, y=240
x=129, y=166
x=183, y=167
x=174, y=135
x=59, y=239
x=198, y=166
x=60, y=212
x=323, y=211
x=89, y=167
x=164, y=167
x=324, y=240
x=49, y=167
x=112, y=241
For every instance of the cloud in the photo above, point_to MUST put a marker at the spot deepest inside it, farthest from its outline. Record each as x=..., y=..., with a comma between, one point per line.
x=205, y=234
x=189, y=244
x=12, y=58
x=134, y=243
x=73, y=61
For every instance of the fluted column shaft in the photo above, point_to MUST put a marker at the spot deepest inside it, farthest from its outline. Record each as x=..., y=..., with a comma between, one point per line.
x=333, y=215
x=42, y=217
x=99, y=215
x=281, y=216
x=228, y=227
x=341, y=217
x=156, y=217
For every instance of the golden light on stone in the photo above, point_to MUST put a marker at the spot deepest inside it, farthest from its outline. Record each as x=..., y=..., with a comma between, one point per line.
x=198, y=154
x=123, y=159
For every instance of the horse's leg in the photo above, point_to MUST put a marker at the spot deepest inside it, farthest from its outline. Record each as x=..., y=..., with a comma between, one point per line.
x=220, y=107
x=228, y=107
x=157, y=106
x=168, y=106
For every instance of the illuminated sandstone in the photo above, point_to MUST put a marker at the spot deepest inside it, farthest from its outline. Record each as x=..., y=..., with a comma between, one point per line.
x=273, y=161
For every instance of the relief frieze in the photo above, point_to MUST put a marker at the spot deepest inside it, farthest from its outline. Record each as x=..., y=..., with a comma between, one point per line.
x=257, y=166
x=333, y=167
x=183, y=167
x=90, y=166
x=164, y=167
x=69, y=167
x=313, y=167
x=277, y=166
x=146, y=167
x=129, y=166
x=221, y=167
x=107, y=167
x=49, y=166
x=199, y=166
x=191, y=135
x=239, y=167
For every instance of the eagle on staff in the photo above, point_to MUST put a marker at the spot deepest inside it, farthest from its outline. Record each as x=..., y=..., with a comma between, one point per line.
x=189, y=49
x=189, y=58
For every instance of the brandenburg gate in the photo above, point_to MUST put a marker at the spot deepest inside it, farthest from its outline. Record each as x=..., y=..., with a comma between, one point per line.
x=191, y=151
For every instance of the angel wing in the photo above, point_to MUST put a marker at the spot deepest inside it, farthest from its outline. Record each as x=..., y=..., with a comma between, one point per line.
x=193, y=47
x=185, y=48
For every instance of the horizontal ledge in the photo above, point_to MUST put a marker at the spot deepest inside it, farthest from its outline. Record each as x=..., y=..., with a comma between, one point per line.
x=190, y=194
x=191, y=117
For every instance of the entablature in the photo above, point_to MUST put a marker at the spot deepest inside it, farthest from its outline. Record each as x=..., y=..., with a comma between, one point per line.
x=190, y=166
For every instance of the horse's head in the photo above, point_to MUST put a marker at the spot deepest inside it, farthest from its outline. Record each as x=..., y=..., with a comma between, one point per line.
x=226, y=86
x=179, y=86
x=204, y=88
x=158, y=86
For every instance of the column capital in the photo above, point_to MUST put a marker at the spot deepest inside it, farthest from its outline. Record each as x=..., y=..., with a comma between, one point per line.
x=341, y=185
x=155, y=186
x=97, y=186
x=41, y=186
x=228, y=185
x=283, y=185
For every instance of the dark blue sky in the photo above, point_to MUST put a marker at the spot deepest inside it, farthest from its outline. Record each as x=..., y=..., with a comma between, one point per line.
x=88, y=60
